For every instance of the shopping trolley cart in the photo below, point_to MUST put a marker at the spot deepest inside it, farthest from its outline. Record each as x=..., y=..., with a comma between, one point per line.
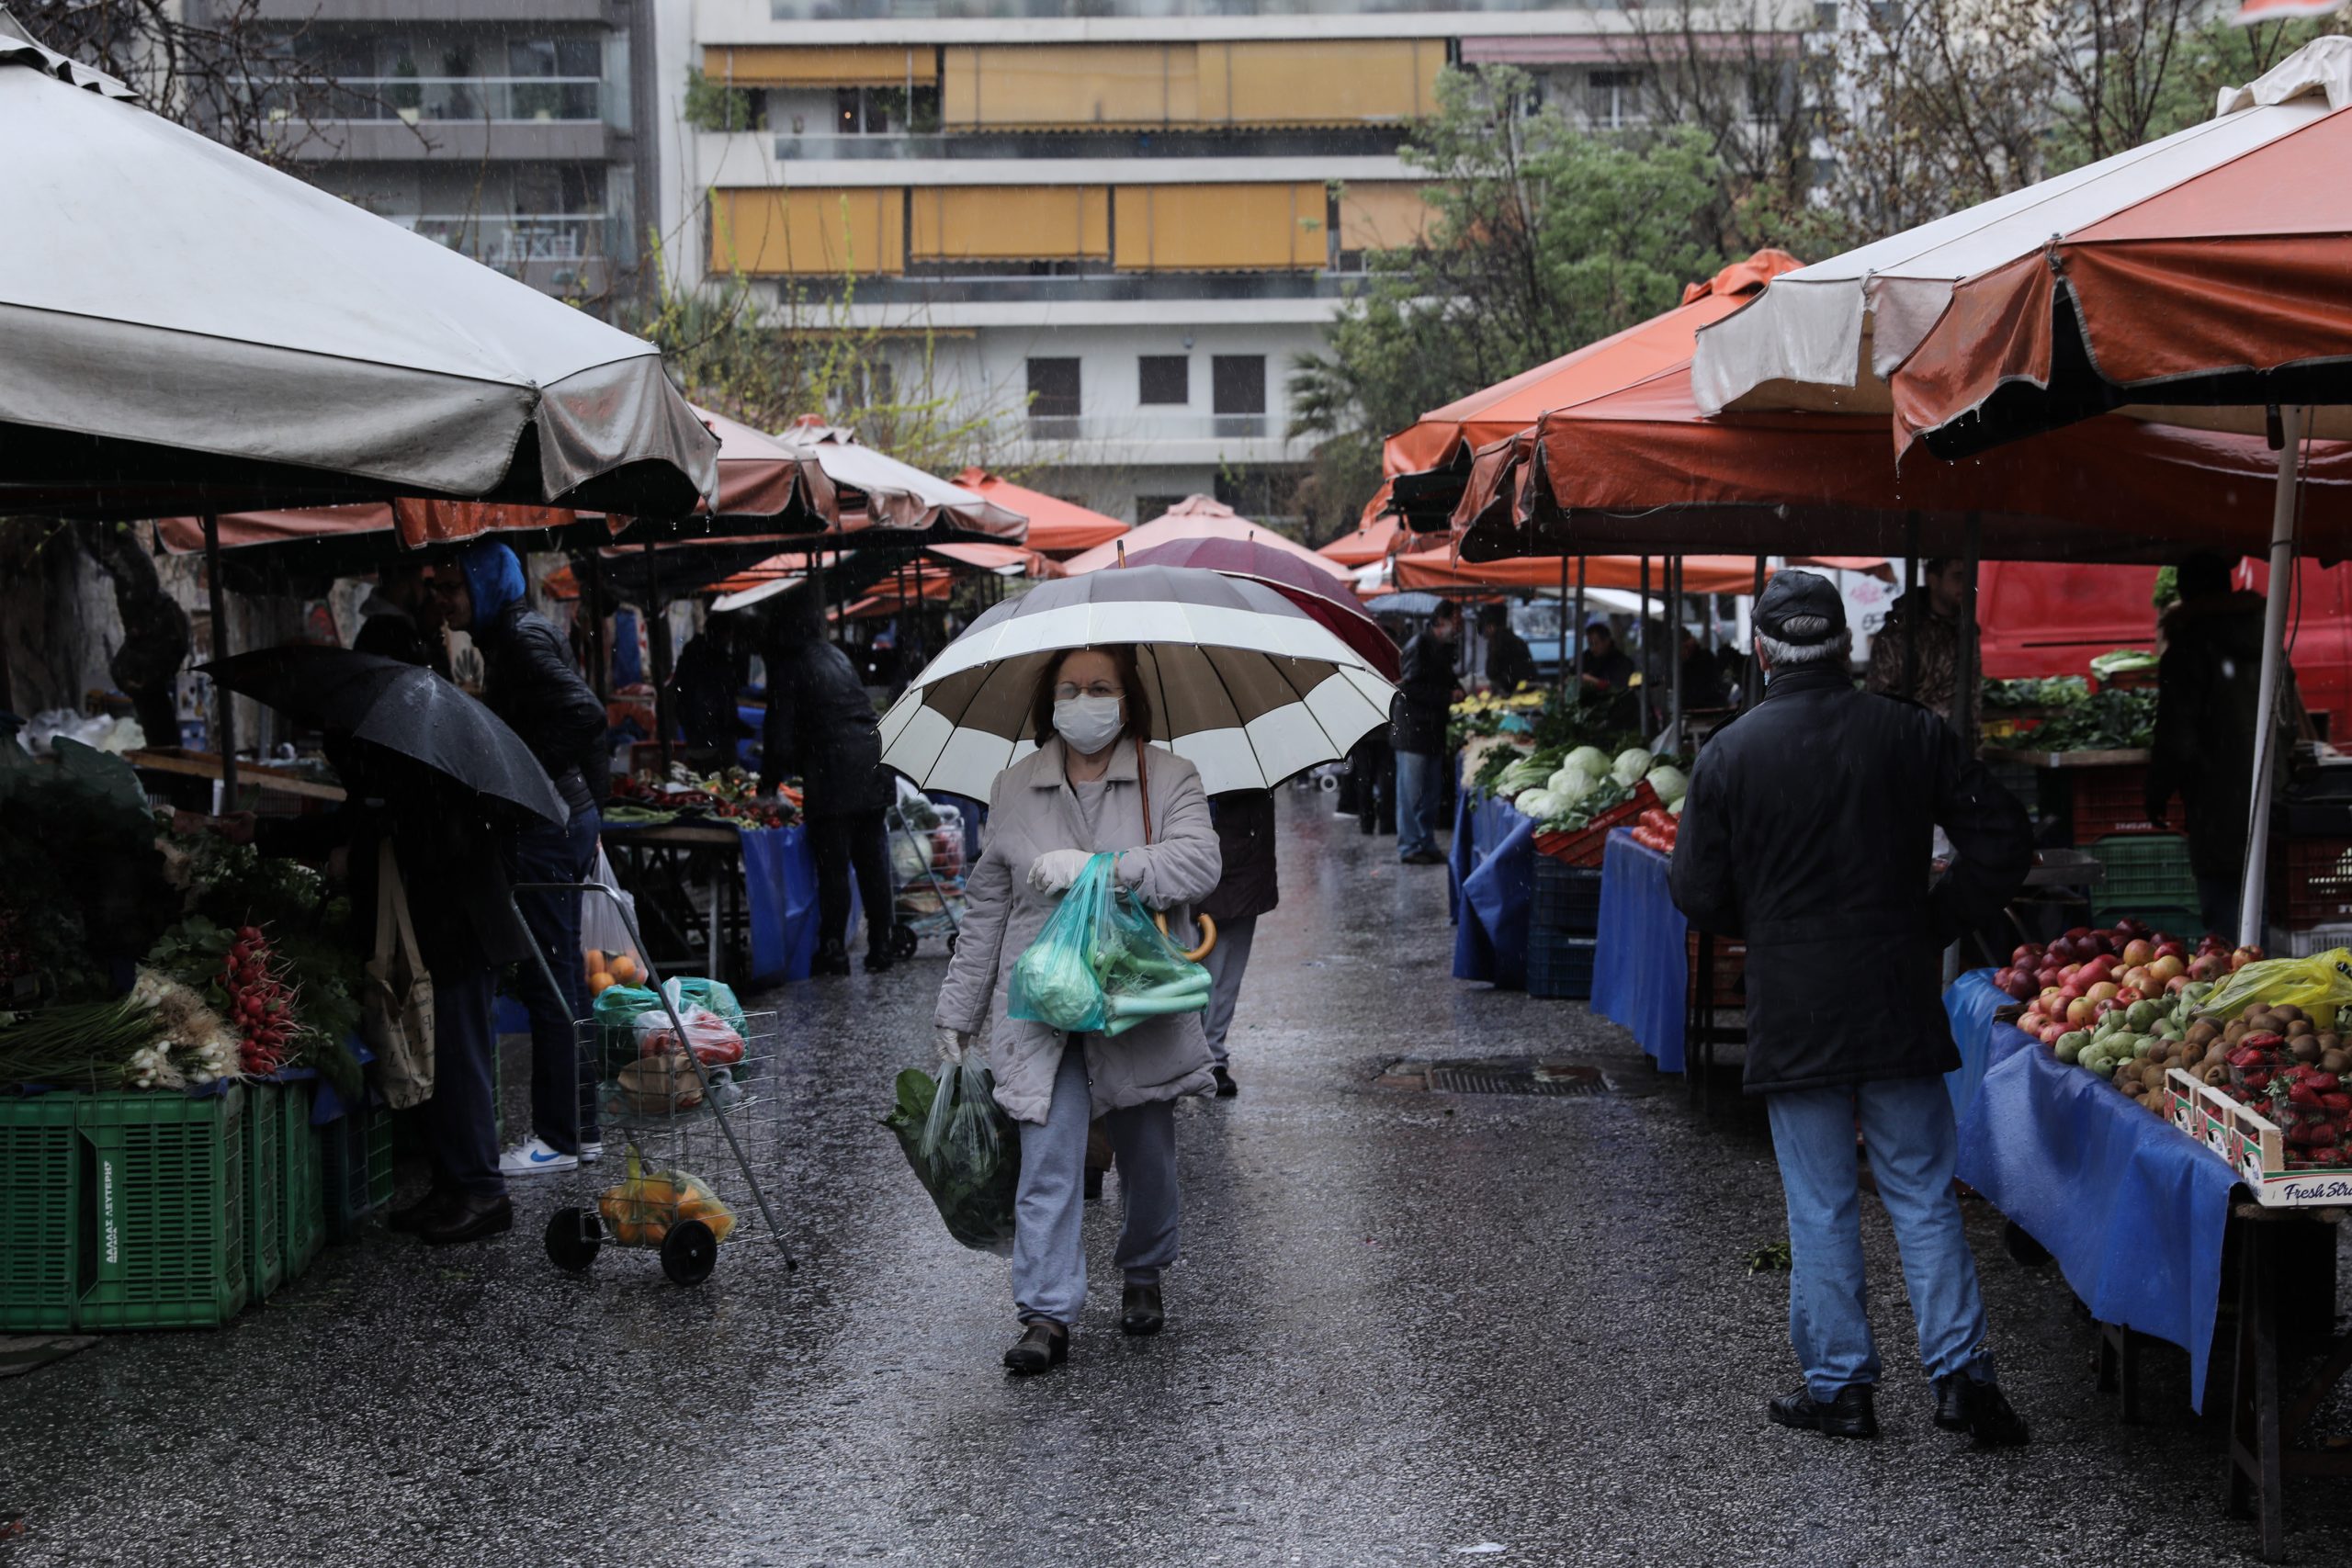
x=927, y=865
x=681, y=1107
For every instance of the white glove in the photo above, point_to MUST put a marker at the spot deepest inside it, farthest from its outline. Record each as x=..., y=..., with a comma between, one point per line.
x=952, y=1043
x=1054, y=871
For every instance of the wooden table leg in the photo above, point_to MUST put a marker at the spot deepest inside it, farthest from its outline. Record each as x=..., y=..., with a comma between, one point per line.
x=2255, y=1439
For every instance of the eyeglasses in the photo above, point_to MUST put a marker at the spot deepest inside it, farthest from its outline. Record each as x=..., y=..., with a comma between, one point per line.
x=1068, y=693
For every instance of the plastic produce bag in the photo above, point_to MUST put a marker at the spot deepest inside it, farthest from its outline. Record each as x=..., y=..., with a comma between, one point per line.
x=641, y=1208
x=604, y=933
x=693, y=990
x=714, y=1041
x=616, y=1009
x=1101, y=964
x=963, y=1148
x=2317, y=983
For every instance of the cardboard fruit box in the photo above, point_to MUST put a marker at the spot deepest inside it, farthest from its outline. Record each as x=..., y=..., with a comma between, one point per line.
x=2253, y=1146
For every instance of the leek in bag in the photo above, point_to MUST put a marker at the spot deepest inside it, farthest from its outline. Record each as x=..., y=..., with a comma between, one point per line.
x=1100, y=965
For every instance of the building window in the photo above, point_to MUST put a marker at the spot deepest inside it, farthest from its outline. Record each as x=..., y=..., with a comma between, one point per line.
x=885, y=111
x=1238, y=391
x=1612, y=99
x=1053, y=399
x=1166, y=378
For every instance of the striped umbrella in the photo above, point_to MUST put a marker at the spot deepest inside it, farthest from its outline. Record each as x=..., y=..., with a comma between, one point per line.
x=1243, y=684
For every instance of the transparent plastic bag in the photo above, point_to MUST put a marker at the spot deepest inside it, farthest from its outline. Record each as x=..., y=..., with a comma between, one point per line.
x=963, y=1148
x=605, y=947
x=1100, y=965
x=693, y=990
x=2320, y=984
x=714, y=1041
x=639, y=1209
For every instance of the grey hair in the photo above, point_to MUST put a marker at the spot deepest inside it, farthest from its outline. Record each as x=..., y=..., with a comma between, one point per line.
x=1796, y=655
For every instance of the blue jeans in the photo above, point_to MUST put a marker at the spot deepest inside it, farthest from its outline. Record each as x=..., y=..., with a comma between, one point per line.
x=1906, y=1125
x=1420, y=790
x=1049, y=1205
x=461, y=1121
x=563, y=1089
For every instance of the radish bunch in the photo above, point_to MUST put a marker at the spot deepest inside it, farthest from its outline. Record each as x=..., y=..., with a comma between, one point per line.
x=260, y=1003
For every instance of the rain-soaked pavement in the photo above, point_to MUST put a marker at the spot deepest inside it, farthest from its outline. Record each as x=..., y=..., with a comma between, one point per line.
x=1408, y=1327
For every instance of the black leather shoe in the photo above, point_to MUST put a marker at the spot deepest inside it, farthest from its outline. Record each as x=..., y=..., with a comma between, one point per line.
x=879, y=959
x=467, y=1220
x=1848, y=1415
x=1980, y=1409
x=1140, y=1310
x=424, y=1211
x=1044, y=1344
x=832, y=959
x=1226, y=1087
x=1093, y=1185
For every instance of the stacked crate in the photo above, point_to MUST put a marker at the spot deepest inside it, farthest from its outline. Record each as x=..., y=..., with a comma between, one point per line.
x=1562, y=925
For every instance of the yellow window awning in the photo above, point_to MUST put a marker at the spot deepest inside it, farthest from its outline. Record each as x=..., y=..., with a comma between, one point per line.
x=807, y=232
x=1327, y=82
x=1383, y=216
x=1011, y=223
x=1220, y=228
x=1069, y=87
x=857, y=65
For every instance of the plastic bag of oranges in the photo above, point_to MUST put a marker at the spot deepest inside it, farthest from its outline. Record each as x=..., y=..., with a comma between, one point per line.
x=608, y=954
x=639, y=1209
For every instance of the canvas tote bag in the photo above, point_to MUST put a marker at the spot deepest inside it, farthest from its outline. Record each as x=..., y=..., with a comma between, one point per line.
x=397, y=1016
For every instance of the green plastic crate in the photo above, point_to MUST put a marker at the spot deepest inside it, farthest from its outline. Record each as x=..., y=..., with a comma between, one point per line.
x=41, y=1208
x=355, y=1168
x=163, y=1243
x=264, y=1184
x=301, y=1215
x=2144, y=871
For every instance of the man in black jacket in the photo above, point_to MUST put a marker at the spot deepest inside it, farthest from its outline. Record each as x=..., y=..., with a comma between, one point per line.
x=1510, y=663
x=1809, y=830
x=1425, y=688
x=821, y=729
x=528, y=681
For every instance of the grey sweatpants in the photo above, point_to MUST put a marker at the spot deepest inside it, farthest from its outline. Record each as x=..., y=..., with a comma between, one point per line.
x=1049, y=1207
x=1224, y=963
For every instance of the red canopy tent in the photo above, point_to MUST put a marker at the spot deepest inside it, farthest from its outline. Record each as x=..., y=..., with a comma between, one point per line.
x=1372, y=539
x=1439, y=571
x=1057, y=527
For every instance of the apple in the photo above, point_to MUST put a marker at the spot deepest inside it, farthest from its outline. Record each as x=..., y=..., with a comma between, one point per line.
x=2050, y=995
x=2049, y=1032
x=2023, y=953
x=2243, y=956
x=2206, y=966
x=2139, y=979
x=2131, y=994
x=2081, y=1013
x=2171, y=947
x=2108, y=1006
x=2166, y=969
x=2138, y=950
x=2176, y=985
x=2102, y=990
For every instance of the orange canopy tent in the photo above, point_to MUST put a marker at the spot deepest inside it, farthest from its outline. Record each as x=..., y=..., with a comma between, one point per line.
x=1370, y=540
x=1419, y=458
x=1057, y=527
x=1437, y=571
x=1197, y=517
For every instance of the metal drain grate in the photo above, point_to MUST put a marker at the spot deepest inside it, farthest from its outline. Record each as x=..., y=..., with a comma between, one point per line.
x=1505, y=1074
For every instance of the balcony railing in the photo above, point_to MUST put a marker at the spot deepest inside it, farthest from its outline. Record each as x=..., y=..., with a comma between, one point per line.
x=438, y=99
x=1148, y=425
x=512, y=243
x=909, y=10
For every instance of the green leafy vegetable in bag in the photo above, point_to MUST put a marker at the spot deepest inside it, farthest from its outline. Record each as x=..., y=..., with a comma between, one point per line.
x=963, y=1148
x=1100, y=965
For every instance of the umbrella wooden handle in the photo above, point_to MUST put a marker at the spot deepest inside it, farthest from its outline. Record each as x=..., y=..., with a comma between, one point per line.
x=1208, y=940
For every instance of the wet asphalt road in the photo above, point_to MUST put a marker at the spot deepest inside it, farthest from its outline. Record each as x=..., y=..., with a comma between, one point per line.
x=1408, y=1328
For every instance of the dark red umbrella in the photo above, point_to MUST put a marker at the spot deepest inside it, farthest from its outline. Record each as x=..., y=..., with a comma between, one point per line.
x=1327, y=596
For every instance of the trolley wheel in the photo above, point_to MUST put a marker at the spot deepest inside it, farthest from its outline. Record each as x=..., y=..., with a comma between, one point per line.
x=902, y=942
x=689, y=1253
x=574, y=1236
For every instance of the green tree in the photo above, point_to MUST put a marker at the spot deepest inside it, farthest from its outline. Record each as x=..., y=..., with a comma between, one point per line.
x=1543, y=238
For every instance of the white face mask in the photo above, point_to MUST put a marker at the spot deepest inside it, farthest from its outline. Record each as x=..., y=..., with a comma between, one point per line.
x=1088, y=724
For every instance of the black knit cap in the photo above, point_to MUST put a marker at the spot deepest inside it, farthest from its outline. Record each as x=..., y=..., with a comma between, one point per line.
x=1802, y=596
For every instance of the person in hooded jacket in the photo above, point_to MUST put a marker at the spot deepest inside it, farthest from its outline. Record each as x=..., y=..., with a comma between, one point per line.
x=1246, y=889
x=528, y=681
x=1096, y=785
x=2209, y=688
x=1809, y=831
x=821, y=729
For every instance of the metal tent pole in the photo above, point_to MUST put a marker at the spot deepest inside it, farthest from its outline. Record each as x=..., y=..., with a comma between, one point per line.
x=1578, y=629
x=1561, y=679
x=1674, y=651
x=1910, y=586
x=1963, y=683
x=1642, y=627
x=2273, y=633
x=224, y=700
x=1754, y=685
x=658, y=638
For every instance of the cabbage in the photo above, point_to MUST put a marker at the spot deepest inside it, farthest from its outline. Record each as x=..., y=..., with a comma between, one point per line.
x=1592, y=758
x=1631, y=764
x=1570, y=782
x=1525, y=773
x=1676, y=809
x=1537, y=803
x=1670, y=783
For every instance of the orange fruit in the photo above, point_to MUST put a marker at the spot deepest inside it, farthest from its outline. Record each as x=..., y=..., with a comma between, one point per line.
x=623, y=968
x=599, y=983
x=595, y=960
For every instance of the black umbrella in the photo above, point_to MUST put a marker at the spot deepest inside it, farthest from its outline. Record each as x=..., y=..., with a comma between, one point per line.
x=404, y=708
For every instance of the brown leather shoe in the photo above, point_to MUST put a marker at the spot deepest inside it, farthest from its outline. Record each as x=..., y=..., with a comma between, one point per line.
x=1044, y=1344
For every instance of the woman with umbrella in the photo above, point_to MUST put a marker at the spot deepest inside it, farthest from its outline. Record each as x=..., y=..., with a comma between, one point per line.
x=1094, y=786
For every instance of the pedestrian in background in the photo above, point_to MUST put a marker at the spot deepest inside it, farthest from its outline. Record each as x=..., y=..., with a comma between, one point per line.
x=1916, y=653
x=1808, y=830
x=1428, y=686
x=530, y=681
x=821, y=729
x=1094, y=786
x=2208, y=694
x=1510, y=663
x=400, y=620
x=1246, y=889
x=706, y=687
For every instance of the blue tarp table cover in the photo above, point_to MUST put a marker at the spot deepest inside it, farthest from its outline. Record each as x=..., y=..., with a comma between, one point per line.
x=1641, y=970
x=1969, y=1003
x=2132, y=1209
x=780, y=887
x=1490, y=884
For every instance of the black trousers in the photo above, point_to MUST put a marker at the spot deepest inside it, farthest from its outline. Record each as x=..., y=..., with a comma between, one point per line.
x=461, y=1121
x=855, y=841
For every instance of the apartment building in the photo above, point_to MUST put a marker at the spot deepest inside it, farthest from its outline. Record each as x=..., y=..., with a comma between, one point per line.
x=1121, y=222
x=508, y=129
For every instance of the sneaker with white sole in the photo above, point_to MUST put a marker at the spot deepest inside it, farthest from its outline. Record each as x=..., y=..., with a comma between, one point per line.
x=535, y=1157
x=592, y=1151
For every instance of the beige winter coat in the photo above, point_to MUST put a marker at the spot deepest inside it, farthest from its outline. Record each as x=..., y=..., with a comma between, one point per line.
x=1032, y=810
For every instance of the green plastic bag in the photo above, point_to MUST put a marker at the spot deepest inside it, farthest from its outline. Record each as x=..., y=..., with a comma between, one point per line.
x=1101, y=965
x=617, y=1008
x=963, y=1148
